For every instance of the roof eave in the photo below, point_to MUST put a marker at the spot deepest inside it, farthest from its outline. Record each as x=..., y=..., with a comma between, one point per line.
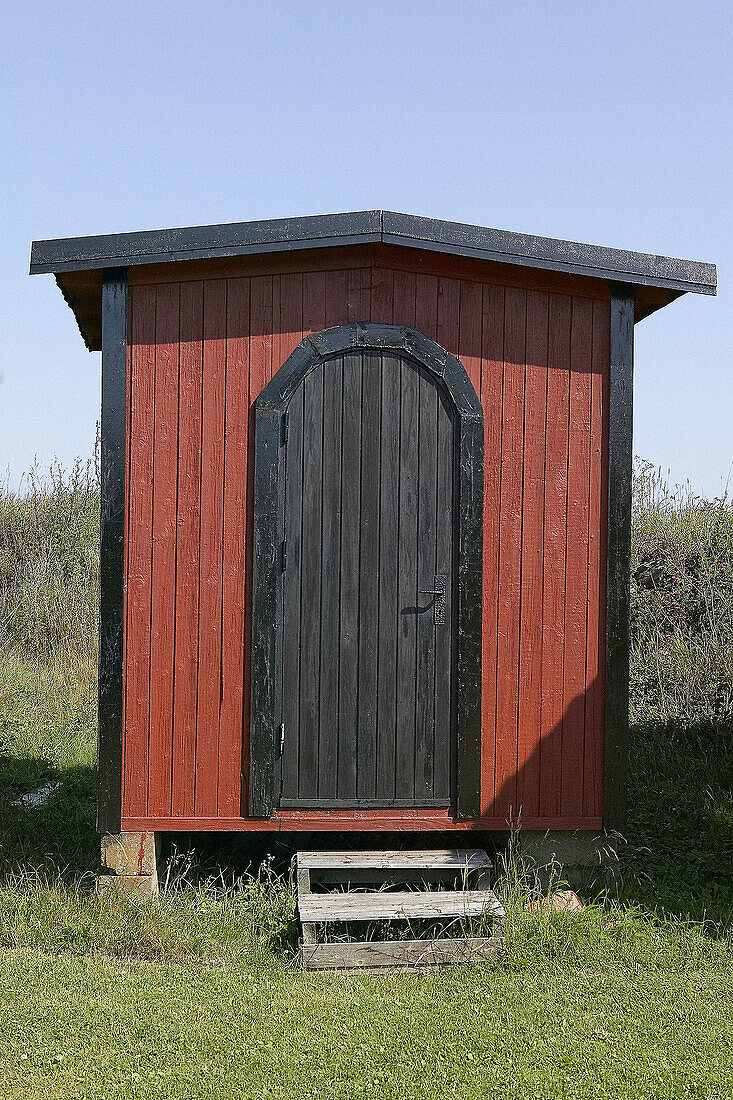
x=365, y=227
x=660, y=279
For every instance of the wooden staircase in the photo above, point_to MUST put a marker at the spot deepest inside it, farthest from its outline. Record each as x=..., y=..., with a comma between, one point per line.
x=380, y=871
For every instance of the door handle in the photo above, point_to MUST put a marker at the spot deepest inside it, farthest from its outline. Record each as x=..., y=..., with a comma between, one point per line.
x=439, y=601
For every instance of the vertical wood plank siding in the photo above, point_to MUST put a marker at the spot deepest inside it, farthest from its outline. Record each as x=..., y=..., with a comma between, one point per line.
x=200, y=353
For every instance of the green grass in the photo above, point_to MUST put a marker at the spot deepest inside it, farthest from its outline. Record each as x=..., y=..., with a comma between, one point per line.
x=103, y=1027
x=198, y=994
x=678, y=855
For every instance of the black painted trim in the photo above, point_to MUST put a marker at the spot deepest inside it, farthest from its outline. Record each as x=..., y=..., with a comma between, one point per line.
x=205, y=241
x=112, y=549
x=361, y=804
x=268, y=505
x=362, y=227
x=620, y=467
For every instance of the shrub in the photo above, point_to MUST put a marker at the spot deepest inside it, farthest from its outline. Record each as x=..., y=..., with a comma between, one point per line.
x=49, y=563
x=681, y=603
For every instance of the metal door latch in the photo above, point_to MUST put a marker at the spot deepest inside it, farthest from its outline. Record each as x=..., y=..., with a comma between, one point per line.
x=439, y=598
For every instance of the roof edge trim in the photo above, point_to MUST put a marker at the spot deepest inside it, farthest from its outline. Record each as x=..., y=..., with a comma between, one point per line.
x=368, y=227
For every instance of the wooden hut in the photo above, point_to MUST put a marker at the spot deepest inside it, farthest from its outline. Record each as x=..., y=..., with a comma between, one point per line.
x=366, y=498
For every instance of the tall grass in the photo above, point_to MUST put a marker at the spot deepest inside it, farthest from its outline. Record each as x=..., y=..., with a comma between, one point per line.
x=49, y=563
x=49, y=609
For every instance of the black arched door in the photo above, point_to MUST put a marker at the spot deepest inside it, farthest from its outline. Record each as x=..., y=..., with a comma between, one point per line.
x=361, y=487
x=368, y=630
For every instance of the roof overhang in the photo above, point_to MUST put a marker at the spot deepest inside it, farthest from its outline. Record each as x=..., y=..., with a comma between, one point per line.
x=664, y=277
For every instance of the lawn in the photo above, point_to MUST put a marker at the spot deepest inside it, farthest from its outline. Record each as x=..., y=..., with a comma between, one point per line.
x=95, y=1026
x=198, y=994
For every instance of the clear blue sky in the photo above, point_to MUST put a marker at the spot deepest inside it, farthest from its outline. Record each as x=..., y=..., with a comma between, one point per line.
x=597, y=122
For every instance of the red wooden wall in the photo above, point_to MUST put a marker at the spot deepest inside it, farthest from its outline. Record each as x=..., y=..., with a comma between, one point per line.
x=536, y=347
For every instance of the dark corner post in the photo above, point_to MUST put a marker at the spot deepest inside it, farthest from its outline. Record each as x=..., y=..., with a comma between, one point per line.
x=620, y=469
x=112, y=548
x=470, y=589
x=266, y=612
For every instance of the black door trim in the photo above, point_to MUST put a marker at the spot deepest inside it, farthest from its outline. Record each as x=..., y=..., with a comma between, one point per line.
x=266, y=689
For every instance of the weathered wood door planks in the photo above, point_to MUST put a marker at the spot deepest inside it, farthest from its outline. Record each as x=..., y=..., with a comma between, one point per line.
x=359, y=588
x=366, y=659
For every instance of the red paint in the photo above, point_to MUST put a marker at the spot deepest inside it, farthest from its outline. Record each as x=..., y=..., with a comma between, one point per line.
x=555, y=544
x=314, y=304
x=349, y=820
x=382, y=305
x=139, y=535
x=289, y=331
x=510, y=555
x=469, y=332
x=359, y=294
x=595, y=700
x=187, y=548
x=426, y=305
x=201, y=351
x=492, y=383
x=449, y=298
x=404, y=297
x=236, y=407
x=533, y=506
x=163, y=594
x=336, y=297
x=260, y=366
x=576, y=559
x=211, y=557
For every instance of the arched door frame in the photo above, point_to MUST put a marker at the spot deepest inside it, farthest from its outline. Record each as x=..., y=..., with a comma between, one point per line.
x=269, y=489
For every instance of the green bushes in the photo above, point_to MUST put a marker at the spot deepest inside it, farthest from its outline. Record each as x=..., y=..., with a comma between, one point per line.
x=681, y=604
x=49, y=608
x=49, y=563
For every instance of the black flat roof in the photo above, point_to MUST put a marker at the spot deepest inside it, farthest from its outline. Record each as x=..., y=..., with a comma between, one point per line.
x=364, y=227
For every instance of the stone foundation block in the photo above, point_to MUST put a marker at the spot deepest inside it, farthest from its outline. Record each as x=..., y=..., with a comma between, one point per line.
x=130, y=853
x=139, y=885
x=582, y=859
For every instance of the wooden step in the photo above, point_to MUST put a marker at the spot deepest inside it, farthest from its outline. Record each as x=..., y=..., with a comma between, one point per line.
x=425, y=903
x=397, y=905
x=443, y=859
x=327, y=956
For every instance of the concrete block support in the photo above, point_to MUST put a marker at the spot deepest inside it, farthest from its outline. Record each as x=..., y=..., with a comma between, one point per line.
x=581, y=859
x=129, y=863
x=144, y=886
